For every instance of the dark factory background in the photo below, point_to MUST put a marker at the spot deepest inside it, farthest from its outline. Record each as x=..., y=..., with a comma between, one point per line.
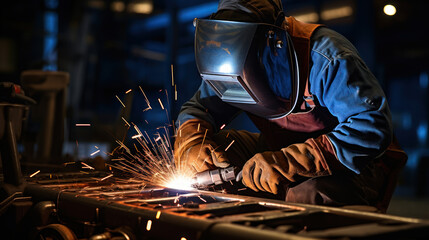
x=113, y=46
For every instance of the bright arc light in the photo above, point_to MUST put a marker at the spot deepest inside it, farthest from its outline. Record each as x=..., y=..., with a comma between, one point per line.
x=180, y=182
x=389, y=10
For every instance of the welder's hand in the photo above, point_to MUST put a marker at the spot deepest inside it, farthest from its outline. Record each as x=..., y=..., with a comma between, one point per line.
x=266, y=171
x=194, y=148
x=202, y=157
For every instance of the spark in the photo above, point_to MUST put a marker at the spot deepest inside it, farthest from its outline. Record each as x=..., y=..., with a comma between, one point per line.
x=106, y=177
x=125, y=121
x=137, y=130
x=202, y=199
x=183, y=238
x=129, y=90
x=166, y=141
x=145, y=98
x=160, y=103
x=120, y=100
x=34, y=174
x=172, y=75
x=149, y=225
x=175, y=93
x=158, y=214
x=222, y=126
x=92, y=154
x=83, y=125
x=226, y=149
x=168, y=104
x=87, y=166
x=152, y=161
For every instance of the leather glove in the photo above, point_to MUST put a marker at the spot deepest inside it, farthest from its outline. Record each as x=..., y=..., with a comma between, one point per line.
x=194, y=148
x=266, y=171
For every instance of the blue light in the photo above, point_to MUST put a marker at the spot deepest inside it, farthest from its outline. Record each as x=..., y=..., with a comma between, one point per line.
x=202, y=10
x=407, y=121
x=424, y=80
x=152, y=23
x=184, y=15
x=51, y=22
x=422, y=132
x=51, y=37
x=52, y=4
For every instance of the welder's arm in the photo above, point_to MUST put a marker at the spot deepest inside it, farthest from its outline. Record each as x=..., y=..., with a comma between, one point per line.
x=351, y=93
x=266, y=171
x=198, y=120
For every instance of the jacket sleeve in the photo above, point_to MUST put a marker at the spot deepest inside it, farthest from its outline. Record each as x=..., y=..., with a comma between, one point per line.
x=345, y=86
x=207, y=106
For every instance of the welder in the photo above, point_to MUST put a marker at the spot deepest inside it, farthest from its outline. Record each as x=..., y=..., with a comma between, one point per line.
x=325, y=126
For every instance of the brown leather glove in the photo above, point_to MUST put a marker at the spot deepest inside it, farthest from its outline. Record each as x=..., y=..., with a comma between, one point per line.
x=194, y=148
x=266, y=171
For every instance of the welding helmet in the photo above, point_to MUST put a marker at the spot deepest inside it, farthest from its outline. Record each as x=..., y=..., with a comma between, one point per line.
x=244, y=62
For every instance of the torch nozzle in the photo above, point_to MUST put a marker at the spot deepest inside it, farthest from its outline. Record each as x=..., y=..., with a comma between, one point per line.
x=215, y=177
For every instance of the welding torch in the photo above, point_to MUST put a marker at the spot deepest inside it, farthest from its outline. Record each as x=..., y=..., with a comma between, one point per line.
x=216, y=177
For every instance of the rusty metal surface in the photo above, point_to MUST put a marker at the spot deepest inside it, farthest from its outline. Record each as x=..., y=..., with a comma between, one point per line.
x=89, y=206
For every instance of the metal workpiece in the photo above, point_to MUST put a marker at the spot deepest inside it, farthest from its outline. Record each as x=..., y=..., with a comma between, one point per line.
x=95, y=207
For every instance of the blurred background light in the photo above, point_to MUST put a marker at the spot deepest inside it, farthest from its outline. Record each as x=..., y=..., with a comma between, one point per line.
x=117, y=6
x=310, y=17
x=389, y=10
x=141, y=7
x=339, y=12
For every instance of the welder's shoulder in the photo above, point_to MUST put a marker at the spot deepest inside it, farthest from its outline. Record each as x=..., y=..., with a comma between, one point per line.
x=329, y=44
